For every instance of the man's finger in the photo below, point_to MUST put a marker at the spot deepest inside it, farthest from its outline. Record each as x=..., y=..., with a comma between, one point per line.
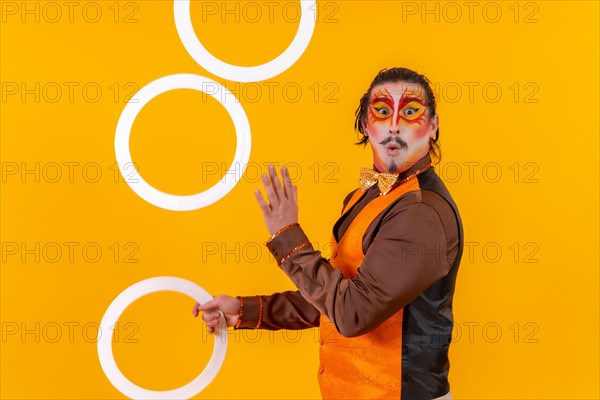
x=271, y=195
x=210, y=316
x=195, y=310
x=261, y=202
x=277, y=186
x=287, y=183
x=296, y=194
x=209, y=305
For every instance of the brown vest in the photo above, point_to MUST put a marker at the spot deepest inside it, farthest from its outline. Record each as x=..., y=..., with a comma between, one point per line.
x=366, y=366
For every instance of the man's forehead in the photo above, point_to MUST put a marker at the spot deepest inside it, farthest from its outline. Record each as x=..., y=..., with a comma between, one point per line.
x=398, y=90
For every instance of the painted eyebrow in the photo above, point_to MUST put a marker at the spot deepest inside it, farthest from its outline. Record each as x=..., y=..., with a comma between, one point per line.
x=382, y=93
x=385, y=99
x=408, y=99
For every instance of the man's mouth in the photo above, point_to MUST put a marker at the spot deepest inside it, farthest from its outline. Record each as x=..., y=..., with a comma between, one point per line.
x=392, y=149
x=393, y=145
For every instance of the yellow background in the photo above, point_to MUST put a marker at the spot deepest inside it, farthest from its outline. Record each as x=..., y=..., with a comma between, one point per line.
x=526, y=318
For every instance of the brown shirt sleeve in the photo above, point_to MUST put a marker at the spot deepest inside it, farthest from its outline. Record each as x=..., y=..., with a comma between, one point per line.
x=409, y=252
x=407, y=249
x=286, y=310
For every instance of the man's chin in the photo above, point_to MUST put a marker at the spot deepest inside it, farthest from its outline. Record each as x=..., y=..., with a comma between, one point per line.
x=395, y=165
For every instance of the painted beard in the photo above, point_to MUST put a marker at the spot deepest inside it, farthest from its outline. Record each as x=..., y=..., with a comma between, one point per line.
x=393, y=145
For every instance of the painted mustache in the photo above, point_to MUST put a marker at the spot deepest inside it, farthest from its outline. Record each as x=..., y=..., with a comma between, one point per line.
x=403, y=145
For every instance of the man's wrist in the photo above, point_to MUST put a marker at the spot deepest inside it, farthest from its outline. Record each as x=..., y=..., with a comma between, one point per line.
x=288, y=242
x=285, y=228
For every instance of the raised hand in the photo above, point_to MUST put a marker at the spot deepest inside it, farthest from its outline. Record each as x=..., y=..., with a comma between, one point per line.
x=282, y=207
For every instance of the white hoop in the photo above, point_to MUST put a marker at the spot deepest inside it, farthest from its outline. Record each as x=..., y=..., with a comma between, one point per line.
x=242, y=151
x=114, y=311
x=212, y=64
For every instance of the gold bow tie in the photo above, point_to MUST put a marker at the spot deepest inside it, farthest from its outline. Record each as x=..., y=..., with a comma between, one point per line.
x=384, y=180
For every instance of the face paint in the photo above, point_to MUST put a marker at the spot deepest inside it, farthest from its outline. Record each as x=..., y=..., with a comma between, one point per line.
x=398, y=126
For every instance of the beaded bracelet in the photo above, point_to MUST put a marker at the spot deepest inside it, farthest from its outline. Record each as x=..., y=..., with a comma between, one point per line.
x=237, y=325
x=295, y=249
x=285, y=228
x=260, y=311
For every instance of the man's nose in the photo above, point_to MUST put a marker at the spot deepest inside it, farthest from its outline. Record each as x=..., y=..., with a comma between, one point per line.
x=394, y=129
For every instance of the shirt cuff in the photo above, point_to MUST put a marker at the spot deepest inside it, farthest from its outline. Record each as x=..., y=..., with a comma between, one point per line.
x=287, y=241
x=250, y=312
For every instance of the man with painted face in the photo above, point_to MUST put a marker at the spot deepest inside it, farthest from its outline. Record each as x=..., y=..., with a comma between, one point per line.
x=383, y=301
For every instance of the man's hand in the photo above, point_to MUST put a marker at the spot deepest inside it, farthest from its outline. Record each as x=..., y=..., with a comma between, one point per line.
x=229, y=306
x=282, y=207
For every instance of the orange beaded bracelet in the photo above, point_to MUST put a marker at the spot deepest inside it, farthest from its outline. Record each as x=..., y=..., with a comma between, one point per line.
x=260, y=311
x=237, y=325
x=285, y=228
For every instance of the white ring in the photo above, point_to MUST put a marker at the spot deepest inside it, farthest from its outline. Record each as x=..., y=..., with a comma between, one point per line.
x=242, y=151
x=183, y=22
x=114, y=311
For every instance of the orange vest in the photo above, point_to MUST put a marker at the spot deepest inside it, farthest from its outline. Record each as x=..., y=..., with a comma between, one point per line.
x=366, y=366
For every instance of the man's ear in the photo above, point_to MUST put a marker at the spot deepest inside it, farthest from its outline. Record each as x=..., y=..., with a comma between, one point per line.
x=435, y=124
x=363, y=123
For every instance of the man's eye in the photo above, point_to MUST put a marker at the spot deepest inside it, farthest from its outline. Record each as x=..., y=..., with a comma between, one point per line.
x=410, y=111
x=383, y=111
